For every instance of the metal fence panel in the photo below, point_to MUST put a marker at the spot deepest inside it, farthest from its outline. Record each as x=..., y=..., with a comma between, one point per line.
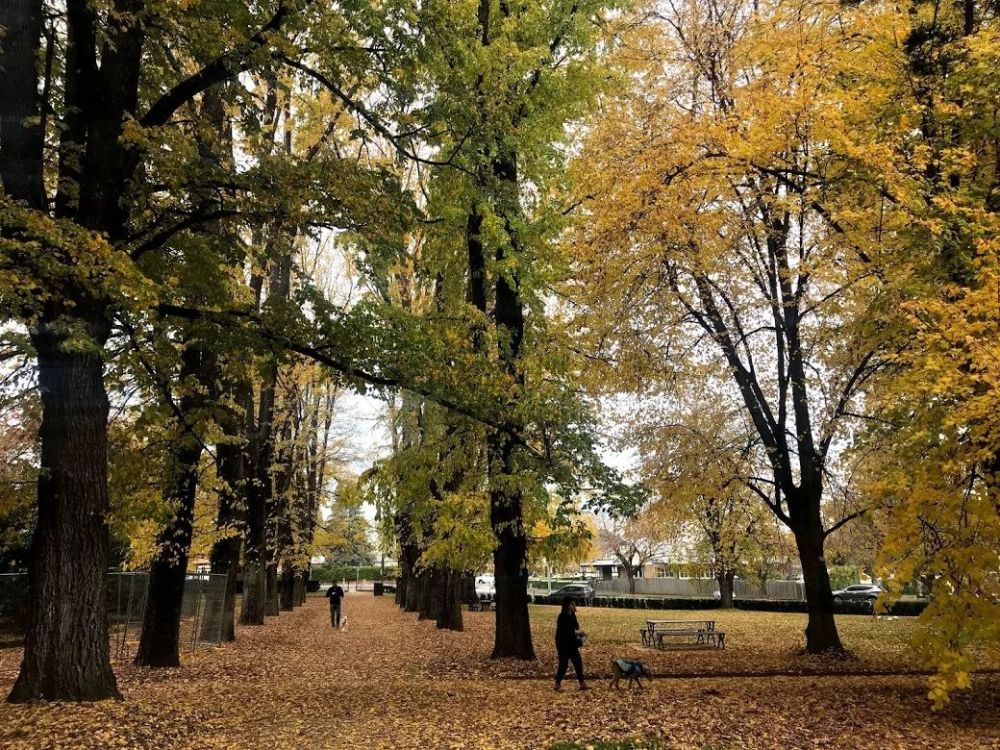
x=203, y=613
x=126, y=598
x=701, y=588
x=668, y=587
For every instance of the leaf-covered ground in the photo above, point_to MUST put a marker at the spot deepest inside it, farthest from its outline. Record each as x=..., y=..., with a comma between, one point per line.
x=392, y=682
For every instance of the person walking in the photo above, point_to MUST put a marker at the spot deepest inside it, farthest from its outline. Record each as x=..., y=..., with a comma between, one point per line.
x=569, y=638
x=335, y=594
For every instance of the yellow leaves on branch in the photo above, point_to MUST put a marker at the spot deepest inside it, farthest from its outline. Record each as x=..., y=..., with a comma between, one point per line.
x=46, y=254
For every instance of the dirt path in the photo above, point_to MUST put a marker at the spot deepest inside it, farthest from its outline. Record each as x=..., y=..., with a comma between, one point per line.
x=295, y=683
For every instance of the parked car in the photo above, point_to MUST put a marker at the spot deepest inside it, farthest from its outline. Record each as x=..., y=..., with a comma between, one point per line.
x=859, y=592
x=486, y=588
x=581, y=592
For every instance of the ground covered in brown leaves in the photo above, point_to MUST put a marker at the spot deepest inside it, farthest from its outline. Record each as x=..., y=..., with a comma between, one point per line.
x=392, y=682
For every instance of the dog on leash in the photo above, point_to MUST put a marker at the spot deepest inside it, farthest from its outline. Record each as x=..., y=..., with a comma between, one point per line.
x=343, y=623
x=631, y=669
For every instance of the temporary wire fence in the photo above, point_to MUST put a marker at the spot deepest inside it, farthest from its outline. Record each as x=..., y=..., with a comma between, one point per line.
x=203, y=615
x=700, y=588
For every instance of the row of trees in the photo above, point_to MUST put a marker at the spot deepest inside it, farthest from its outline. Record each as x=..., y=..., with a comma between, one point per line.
x=168, y=171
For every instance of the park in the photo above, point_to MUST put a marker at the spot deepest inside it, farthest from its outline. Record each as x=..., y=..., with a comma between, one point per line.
x=556, y=374
x=390, y=681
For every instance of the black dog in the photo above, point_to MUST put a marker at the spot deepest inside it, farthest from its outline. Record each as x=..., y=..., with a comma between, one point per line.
x=630, y=669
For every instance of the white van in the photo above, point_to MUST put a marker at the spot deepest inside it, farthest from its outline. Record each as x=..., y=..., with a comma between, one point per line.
x=485, y=588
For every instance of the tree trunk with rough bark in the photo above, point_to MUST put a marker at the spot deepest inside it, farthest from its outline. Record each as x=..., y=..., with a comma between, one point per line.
x=449, y=616
x=299, y=588
x=821, y=630
x=726, y=580
x=254, y=573
x=469, y=595
x=225, y=556
x=66, y=652
x=273, y=603
x=428, y=602
x=512, y=637
x=410, y=578
x=159, y=644
x=287, y=598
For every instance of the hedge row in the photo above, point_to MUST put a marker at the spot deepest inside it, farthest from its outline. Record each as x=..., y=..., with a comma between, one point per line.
x=13, y=603
x=899, y=609
x=327, y=573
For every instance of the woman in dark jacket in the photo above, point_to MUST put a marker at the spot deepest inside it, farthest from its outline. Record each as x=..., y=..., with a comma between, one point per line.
x=568, y=640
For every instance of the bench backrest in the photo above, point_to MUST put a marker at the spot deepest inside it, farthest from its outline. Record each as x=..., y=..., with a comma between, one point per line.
x=655, y=625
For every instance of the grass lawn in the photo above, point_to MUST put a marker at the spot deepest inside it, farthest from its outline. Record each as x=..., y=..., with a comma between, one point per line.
x=757, y=642
x=392, y=682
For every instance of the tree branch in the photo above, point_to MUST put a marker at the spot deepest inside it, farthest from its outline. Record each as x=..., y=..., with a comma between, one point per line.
x=226, y=66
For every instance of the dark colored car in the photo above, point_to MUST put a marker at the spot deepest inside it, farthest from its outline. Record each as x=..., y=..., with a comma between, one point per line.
x=580, y=592
x=859, y=592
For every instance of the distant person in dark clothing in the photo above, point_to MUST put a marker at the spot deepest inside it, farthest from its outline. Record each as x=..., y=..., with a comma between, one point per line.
x=335, y=594
x=569, y=638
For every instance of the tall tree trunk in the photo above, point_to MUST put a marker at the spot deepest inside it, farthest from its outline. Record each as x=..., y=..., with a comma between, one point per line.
x=260, y=599
x=258, y=492
x=412, y=601
x=254, y=573
x=510, y=557
x=725, y=580
x=821, y=630
x=400, y=596
x=273, y=601
x=225, y=556
x=449, y=616
x=630, y=576
x=427, y=605
x=411, y=578
x=284, y=536
x=287, y=599
x=159, y=644
x=512, y=637
x=21, y=136
x=299, y=588
x=469, y=595
x=66, y=654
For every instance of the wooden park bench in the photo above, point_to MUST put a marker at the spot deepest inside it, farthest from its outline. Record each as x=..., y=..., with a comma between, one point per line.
x=689, y=633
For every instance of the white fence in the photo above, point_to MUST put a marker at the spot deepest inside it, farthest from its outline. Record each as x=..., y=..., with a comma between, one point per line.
x=699, y=588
